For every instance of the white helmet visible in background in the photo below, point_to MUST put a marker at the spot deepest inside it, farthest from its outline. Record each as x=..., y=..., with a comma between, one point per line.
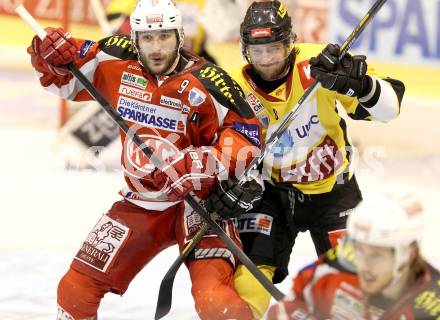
x=386, y=222
x=150, y=15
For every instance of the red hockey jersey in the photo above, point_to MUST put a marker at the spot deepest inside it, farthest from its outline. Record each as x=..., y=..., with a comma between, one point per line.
x=196, y=106
x=325, y=290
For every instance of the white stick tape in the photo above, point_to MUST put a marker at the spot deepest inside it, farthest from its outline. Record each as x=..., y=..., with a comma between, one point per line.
x=26, y=16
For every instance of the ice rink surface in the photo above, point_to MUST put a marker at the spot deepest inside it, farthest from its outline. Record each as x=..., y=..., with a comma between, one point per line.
x=47, y=211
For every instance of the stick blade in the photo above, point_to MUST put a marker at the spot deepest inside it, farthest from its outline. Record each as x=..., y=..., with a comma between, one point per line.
x=165, y=297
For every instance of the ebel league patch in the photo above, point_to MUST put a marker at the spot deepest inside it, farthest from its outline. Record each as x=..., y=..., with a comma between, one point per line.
x=134, y=80
x=103, y=243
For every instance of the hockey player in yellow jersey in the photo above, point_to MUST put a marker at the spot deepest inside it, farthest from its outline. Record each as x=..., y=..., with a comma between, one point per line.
x=118, y=12
x=309, y=185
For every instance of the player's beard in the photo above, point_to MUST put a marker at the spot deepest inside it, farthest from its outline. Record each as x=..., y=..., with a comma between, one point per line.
x=277, y=72
x=171, y=59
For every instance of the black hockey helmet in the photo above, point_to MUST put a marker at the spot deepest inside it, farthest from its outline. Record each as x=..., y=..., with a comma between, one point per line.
x=266, y=22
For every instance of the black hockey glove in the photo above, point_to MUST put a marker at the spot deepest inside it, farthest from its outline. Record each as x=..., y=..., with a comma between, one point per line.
x=346, y=76
x=229, y=199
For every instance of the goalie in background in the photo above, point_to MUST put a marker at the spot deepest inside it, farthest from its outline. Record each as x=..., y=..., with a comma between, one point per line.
x=376, y=273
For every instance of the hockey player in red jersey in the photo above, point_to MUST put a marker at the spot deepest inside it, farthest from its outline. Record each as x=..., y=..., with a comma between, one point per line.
x=187, y=111
x=378, y=273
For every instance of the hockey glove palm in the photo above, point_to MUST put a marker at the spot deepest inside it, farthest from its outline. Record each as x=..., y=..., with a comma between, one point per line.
x=195, y=169
x=347, y=76
x=231, y=199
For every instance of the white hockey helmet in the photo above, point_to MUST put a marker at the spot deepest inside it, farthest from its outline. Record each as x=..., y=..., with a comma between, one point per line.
x=383, y=221
x=149, y=15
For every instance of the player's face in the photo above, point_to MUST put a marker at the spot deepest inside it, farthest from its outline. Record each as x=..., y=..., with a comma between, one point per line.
x=374, y=267
x=157, y=50
x=269, y=59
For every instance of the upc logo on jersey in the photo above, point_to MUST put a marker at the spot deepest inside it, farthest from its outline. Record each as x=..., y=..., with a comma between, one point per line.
x=134, y=80
x=135, y=93
x=196, y=97
x=171, y=102
x=103, y=243
x=255, y=222
x=151, y=115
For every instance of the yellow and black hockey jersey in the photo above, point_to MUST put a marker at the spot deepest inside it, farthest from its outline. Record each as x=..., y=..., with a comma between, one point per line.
x=315, y=149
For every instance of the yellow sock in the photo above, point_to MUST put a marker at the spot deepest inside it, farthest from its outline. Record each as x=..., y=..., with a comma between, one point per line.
x=251, y=290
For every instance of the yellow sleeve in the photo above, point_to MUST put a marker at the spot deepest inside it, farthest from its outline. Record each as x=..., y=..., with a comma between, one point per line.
x=251, y=290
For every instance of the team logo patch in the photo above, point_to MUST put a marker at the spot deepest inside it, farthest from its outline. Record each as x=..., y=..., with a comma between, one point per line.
x=251, y=131
x=171, y=102
x=264, y=120
x=255, y=222
x=85, y=48
x=151, y=115
x=283, y=145
x=196, y=97
x=164, y=149
x=135, y=93
x=103, y=243
x=134, y=80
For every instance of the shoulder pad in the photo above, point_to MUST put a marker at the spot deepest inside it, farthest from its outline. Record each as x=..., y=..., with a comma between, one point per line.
x=224, y=89
x=118, y=46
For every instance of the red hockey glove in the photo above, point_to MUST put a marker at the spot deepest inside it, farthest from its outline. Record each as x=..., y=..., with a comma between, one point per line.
x=50, y=54
x=195, y=169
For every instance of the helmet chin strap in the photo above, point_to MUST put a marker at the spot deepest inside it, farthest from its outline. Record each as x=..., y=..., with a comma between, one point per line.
x=174, y=65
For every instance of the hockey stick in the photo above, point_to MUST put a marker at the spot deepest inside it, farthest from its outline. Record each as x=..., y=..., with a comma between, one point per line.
x=165, y=291
x=24, y=14
x=99, y=11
